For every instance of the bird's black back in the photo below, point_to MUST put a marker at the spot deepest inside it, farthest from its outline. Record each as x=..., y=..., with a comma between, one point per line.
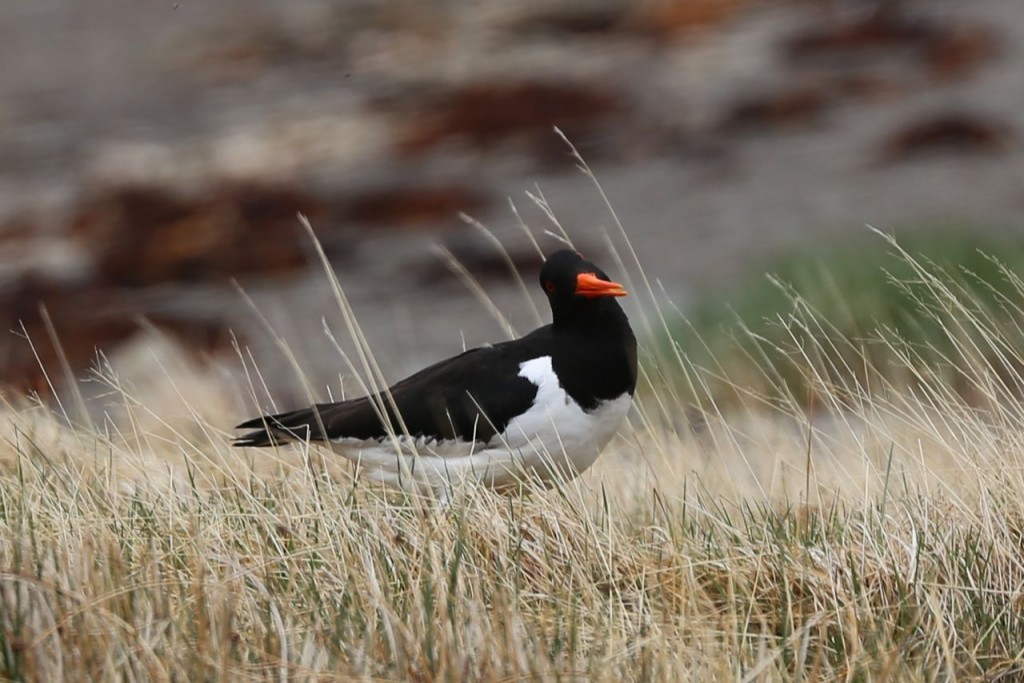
x=471, y=396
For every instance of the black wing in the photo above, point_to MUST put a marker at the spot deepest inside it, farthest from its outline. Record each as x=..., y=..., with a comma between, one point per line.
x=471, y=397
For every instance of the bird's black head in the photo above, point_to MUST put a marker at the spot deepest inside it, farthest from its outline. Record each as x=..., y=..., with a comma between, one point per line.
x=577, y=288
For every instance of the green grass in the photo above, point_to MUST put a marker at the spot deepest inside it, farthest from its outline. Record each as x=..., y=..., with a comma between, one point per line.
x=864, y=306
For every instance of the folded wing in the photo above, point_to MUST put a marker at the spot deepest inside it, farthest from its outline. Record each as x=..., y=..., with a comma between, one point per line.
x=470, y=397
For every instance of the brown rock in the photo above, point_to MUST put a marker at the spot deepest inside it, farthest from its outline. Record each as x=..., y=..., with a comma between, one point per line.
x=407, y=206
x=485, y=115
x=878, y=30
x=787, y=107
x=866, y=85
x=958, y=50
x=150, y=235
x=112, y=211
x=957, y=132
x=139, y=237
x=578, y=20
x=949, y=47
x=672, y=18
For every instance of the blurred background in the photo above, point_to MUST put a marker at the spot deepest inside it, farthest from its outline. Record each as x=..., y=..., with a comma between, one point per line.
x=153, y=157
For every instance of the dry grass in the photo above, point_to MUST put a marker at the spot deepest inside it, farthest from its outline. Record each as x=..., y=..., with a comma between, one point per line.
x=879, y=537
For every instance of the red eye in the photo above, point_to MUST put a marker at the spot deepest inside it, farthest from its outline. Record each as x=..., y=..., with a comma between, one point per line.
x=550, y=286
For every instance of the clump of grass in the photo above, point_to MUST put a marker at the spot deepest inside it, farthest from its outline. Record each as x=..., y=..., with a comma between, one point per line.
x=263, y=576
x=879, y=537
x=866, y=307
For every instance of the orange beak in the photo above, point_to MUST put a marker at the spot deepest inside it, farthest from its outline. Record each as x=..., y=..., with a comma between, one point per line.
x=590, y=286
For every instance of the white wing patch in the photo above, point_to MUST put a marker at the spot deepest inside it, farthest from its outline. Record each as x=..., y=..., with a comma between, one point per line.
x=554, y=437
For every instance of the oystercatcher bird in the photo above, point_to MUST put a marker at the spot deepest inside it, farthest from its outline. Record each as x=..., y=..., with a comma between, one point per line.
x=543, y=405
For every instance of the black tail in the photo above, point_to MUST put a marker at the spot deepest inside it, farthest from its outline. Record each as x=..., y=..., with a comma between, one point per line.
x=275, y=430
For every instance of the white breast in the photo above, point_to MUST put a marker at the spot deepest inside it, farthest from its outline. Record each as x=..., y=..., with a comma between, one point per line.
x=557, y=427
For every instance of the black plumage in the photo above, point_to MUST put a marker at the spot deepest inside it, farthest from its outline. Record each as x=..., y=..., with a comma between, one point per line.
x=472, y=397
